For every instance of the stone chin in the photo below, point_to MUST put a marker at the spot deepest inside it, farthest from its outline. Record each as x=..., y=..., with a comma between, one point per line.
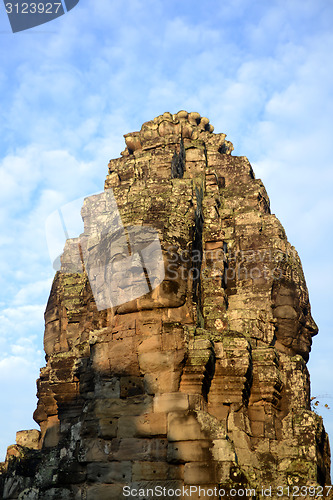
x=167, y=295
x=171, y=293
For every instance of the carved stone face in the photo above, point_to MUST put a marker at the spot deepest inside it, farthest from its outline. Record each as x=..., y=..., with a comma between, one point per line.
x=170, y=293
x=295, y=326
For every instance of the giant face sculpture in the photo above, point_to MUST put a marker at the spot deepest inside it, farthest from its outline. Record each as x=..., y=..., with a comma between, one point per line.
x=295, y=326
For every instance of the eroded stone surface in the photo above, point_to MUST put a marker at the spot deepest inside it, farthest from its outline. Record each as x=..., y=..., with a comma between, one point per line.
x=201, y=381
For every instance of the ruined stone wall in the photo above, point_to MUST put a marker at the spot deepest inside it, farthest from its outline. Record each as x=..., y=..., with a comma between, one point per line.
x=202, y=381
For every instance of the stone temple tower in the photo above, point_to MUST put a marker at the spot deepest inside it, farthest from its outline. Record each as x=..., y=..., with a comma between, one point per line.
x=176, y=341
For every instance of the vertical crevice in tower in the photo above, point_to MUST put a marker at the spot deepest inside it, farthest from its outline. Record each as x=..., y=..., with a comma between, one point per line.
x=197, y=250
x=178, y=162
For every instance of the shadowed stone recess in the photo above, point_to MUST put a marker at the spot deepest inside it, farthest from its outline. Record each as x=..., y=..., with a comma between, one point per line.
x=201, y=381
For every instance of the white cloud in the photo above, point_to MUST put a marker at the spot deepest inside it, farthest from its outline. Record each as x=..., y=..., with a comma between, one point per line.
x=16, y=367
x=32, y=292
x=18, y=394
x=20, y=320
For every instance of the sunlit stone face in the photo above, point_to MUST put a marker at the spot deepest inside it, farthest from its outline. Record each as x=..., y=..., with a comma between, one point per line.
x=170, y=293
x=295, y=326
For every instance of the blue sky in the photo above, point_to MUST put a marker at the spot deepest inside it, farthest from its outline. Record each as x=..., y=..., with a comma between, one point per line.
x=261, y=71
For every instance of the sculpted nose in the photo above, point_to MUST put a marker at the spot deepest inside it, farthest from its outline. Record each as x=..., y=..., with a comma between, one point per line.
x=311, y=326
